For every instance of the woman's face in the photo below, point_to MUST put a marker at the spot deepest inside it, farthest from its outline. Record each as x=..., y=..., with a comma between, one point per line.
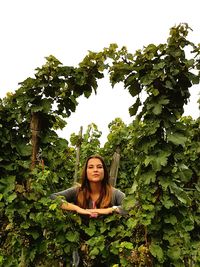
x=95, y=170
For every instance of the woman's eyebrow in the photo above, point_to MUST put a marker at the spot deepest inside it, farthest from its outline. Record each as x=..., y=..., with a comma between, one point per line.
x=98, y=165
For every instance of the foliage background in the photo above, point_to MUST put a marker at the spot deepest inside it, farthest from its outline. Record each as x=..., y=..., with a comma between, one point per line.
x=159, y=166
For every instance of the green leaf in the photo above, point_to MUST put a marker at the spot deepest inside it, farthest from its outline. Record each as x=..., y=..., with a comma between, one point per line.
x=181, y=195
x=23, y=149
x=115, y=247
x=164, y=182
x=185, y=173
x=177, y=138
x=127, y=245
x=195, y=79
x=131, y=223
x=134, y=187
x=158, y=160
x=34, y=234
x=90, y=230
x=148, y=207
x=11, y=197
x=148, y=177
x=163, y=101
x=167, y=202
x=9, y=167
x=174, y=253
x=87, y=93
x=129, y=202
x=46, y=105
x=159, y=65
x=35, y=108
x=1, y=259
x=133, y=86
x=157, y=252
x=53, y=206
x=169, y=84
x=171, y=219
x=72, y=236
x=7, y=184
x=134, y=108
x=157, y=109
x=155, y=91
x=113, y=232
x=188, y=223
x=94, y=252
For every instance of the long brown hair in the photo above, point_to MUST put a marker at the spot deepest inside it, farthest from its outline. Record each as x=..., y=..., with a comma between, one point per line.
x=83, y=196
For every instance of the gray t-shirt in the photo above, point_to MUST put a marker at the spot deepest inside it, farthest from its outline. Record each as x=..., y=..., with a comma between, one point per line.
x=70, y=195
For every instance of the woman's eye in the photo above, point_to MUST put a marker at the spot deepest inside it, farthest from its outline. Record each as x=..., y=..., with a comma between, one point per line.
x=90, y=167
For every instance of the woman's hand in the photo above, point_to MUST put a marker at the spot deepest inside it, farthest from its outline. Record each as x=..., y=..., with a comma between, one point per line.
x=103, y=211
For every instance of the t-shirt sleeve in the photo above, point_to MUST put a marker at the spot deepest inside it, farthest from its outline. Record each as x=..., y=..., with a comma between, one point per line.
x=68, y=194
x=118, y=197
x=117, y=200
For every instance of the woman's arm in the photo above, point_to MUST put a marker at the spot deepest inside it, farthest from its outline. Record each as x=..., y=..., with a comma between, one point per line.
x=105, y=211
x=68, y=194
x=69, y=198
x=117, y=199
x=73, y=207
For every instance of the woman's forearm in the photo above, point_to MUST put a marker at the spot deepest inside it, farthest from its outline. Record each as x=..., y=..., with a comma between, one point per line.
x=72, y=207
x=104, y=210
x=69, y=206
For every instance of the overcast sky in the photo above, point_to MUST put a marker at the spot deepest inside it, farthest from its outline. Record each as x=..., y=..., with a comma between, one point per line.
x=33, y=29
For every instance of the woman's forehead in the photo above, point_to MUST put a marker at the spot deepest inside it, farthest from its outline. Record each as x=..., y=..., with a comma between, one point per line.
x=94, y=161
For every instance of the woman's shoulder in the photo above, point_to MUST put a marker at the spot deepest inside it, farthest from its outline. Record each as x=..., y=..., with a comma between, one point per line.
x=117, y=196
x=69, y=191
x=73, y=189
x=117, y=191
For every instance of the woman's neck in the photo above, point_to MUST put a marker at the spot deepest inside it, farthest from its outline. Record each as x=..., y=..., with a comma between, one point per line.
x=95, y=190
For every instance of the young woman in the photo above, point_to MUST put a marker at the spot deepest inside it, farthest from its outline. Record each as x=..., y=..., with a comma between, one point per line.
x=95, y=196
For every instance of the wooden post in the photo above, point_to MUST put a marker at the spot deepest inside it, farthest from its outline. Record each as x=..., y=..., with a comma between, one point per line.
x=114, y=167
x=78, y=150
x=35, y=129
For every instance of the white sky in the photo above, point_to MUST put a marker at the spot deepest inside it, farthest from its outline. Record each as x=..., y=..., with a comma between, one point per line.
x=33, y=29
